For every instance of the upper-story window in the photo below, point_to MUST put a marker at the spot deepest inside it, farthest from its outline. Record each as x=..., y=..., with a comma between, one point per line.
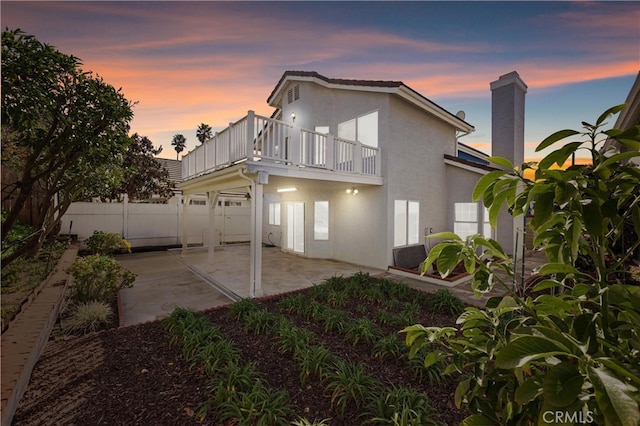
x=363, y=129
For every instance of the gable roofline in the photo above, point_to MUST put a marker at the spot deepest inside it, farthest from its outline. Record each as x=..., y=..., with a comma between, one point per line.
x=379, y=86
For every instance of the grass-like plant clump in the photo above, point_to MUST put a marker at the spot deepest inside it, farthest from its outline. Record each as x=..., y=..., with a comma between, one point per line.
x=87, y=317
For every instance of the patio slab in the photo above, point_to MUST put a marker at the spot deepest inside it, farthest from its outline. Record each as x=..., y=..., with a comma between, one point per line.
x=281, y=272
x=163, y=283
x=167, y=279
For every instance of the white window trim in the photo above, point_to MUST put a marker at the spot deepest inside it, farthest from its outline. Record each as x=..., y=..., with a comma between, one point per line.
x=410, y=235
x=318, y=235
x=274, y=214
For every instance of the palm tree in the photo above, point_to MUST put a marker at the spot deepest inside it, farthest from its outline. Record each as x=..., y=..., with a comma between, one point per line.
x=203, y=133
x=179, y=142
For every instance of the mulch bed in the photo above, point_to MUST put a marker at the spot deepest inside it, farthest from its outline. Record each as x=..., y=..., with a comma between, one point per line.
x=131, y=376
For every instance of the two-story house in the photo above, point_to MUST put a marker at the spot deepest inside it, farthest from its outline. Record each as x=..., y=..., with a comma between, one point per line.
x=345, y=170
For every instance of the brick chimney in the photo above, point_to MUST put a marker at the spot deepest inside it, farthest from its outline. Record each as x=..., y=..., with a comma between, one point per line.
x=507, y=140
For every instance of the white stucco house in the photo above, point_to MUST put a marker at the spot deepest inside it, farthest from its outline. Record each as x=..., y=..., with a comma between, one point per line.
x=352, y=169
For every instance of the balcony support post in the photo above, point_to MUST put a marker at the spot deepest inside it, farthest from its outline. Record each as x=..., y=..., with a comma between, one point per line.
x=185, y=220
x=212, y=202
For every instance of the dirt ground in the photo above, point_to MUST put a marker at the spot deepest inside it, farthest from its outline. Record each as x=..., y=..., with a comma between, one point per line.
x=131, y=376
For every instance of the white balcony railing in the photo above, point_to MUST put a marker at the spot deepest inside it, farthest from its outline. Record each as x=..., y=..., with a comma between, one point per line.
x=257, y=138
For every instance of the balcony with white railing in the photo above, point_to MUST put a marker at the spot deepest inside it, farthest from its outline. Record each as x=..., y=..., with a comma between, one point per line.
x=260, y=139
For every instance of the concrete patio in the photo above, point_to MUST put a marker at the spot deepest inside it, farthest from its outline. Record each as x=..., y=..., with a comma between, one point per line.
x=167, y=280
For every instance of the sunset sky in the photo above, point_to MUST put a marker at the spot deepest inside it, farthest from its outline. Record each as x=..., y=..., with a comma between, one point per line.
x=190, y=62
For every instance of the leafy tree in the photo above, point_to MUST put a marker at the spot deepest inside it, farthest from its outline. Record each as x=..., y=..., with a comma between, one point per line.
x=530, y=354
x=203, y=133
x=143, y=175
x=64, y=131
x=179, y=142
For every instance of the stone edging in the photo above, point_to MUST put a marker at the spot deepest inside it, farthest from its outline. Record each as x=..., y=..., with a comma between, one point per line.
x=28, y=333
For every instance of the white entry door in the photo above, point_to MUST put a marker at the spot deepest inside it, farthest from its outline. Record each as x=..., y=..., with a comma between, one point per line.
x=295, y=226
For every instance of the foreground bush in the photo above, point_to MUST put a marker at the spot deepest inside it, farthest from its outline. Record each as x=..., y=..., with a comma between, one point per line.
x=98, y=278
x=574, y=355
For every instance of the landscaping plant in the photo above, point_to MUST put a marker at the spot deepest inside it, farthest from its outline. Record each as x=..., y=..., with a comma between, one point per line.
x=348, y=383
x=88, y=317
x=533, y=358
x=314, y=361
x=400, y=406
x=240, y=395
x=98, y=277
x=290, y=339
x=107, y=243
x=444, y=300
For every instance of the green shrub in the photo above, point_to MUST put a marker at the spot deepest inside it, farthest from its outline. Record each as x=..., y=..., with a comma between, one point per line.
x=314, y=361
x=88, y=317
x=388, y=347
x=400, y=406
x=576, y=353
x=242, y=308
x=98, y=277
x=259, y=321
x=215, y=357
x=362, y=330
x=334, y=320
x=16, y=237
x=290, y=339
x=349, y=383
x=444, y=300
x=107, y=243
x=260, y=406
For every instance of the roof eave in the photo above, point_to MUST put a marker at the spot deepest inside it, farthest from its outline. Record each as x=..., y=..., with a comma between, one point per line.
x=400, y=89
x=417, y=99
x=276, y=95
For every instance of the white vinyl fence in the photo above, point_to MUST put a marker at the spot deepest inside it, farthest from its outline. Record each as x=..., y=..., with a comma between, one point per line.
x=147, y=225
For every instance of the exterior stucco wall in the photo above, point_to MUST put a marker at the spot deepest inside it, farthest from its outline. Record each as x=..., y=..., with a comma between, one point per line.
x=360, y=227
x=357, y=223
x=414, y=168
x=321, y=106
x=412, y=144
x=354, y=232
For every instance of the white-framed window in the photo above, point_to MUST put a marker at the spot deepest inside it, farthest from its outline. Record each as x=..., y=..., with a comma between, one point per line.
x=406, y=223
x=321, y=220
x=295, y=226
x=487, y=231
x=274, y=214
x=363, y=129
x=465, y=219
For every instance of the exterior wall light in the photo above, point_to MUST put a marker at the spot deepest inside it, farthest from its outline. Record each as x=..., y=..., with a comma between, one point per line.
x=352, y=191
x=289, y=189
x=293, y=116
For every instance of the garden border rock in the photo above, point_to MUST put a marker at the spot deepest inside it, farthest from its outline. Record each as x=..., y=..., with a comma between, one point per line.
x=28, y=333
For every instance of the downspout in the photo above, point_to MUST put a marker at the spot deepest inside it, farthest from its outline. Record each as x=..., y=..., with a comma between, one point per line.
x=461, y=135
